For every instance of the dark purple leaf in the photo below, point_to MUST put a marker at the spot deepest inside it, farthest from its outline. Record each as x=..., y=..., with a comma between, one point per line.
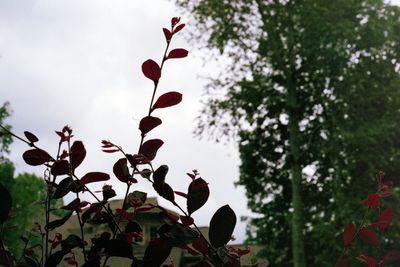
x=121, y=170
x=78, y=153
x=74, y=205
x=167, y=34
x=348, y=233
x=149, y=148
x=63, y=188
x=159, y=175
x=156, y=253
x=119, y=248
x=222, y=225
x=177, y=234
x=198, y=193
x=57, y=223
x=36, y=157
x=72, y=241
x=55, y=258
x=151, y=70
x=148, y=123
x=179, y=27
x=167, y=100
x=5, y=203
x=177, y=53
x=91, y=177
x=31, y=137
x=60, y=167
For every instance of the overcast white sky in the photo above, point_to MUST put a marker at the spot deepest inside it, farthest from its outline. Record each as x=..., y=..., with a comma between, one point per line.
x=79, y=63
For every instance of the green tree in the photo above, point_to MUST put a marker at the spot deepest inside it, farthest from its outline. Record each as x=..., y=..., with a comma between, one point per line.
x=311, y=92
x=5, y=140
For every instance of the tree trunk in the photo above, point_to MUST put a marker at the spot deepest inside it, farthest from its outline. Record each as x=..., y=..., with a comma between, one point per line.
x=296, y=175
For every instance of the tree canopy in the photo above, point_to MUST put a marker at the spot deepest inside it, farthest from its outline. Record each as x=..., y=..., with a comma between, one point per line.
x=312, y=96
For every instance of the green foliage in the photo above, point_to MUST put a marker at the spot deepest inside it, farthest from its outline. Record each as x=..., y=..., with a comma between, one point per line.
x=5, y=140
x=314, y=86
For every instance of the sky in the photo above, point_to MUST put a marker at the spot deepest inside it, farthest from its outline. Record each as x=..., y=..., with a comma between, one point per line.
x=78, y=63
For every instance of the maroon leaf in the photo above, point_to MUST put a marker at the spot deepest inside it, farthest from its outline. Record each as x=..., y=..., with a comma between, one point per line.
x=348, y=233
x=177, y=53
x=370, y=261
x=156, y=253
x=372, y=201
x=385, y=218
x=91, y=177
x=179, y=193
x=78, y=153
x=198, y=193
x=151, y=70
x=174, y=21
x=200, y=244
x=31, y=137
x=74, y=205
x=149, y=148
x=186, y=220
x=167, y=100
x=58, y=223
x=124, y=214
x=60, y=167
x=369, y=237
x=118, y=248
x=36, y=157
x=148, y=123
x=222, y=225
x=179, y=27
x=166, y=192
x=121, y=170
x=110, y=150
x=167, y=34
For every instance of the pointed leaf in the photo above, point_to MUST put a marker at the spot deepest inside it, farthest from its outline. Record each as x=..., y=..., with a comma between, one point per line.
x=121, y=170
x=72, y=241
x=78, y=154
x=167, y=34
x=370, y=261
x=369, y=237
x=148, y=123
x=156, y=253
x=31, y=137
x=74, y=205
x=59, y=222
x=119, y=248
x=159, y=176
x=177, y=53
x=372, y=201
x=91, y=177
x=348, y=233
x=198, y=193
x=36, y=157
x=385, y=218
x=177, y=234
x=5, y=203
x=200, y=244
x=179, y=27
x=186, y=220
x=222, y=225
x=167, y=100
x=166, y=192
x=63, y=188
x=151, y=70
x=149, y=148
x=60, y=167
x=55, y=258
